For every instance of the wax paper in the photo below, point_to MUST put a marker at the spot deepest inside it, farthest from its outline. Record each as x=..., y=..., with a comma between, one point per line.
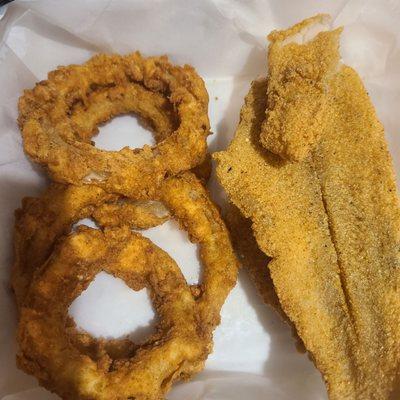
x=254, y=354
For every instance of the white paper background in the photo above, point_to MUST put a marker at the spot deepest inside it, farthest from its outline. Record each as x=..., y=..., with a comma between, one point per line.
x=254, y=354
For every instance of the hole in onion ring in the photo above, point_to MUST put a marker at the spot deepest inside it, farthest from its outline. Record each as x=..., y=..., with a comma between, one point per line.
x=121, y=131
x=166, y=236
x=108, y=308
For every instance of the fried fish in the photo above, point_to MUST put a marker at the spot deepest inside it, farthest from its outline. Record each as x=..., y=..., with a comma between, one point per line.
x=331, y=225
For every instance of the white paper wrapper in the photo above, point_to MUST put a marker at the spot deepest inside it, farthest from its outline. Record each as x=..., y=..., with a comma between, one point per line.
x=254, y=355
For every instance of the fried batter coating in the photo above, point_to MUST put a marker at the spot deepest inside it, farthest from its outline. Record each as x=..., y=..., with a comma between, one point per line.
x=285, y=204
x=176, y=351
x=41, y=221
x=124, y=369
x=358, y=187
x=331, y=225
x=299, y=69
x=59, y=116
x=251, y=257
x=190, y=204
x=136, y=214
x=255, y=263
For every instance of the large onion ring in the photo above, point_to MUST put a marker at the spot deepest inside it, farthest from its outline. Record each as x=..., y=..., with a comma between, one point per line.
x=41, y=221
x=44, y=220
x=176, y=351
x=59, y=116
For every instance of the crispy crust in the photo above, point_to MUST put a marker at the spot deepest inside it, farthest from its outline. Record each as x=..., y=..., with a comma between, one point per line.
x=177, y=350
x=283, y=201
x=331, y=225
x=59, y=116
x=298, y=85
x=252, y=259
x=255, y=262
x=44, y=220
x=140, y=214
x=41, y=221
x=190, y=204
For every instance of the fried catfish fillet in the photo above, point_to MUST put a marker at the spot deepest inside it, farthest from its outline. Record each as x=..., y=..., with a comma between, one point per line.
x=331, y=225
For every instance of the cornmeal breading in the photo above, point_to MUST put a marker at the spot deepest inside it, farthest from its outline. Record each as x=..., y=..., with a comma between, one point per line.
x=300, y=68
x=331, y=225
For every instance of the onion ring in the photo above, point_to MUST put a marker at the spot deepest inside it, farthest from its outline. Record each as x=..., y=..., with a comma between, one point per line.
x=44, y=220
x=59, y=116
x=41, y=221
x=176, y=351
